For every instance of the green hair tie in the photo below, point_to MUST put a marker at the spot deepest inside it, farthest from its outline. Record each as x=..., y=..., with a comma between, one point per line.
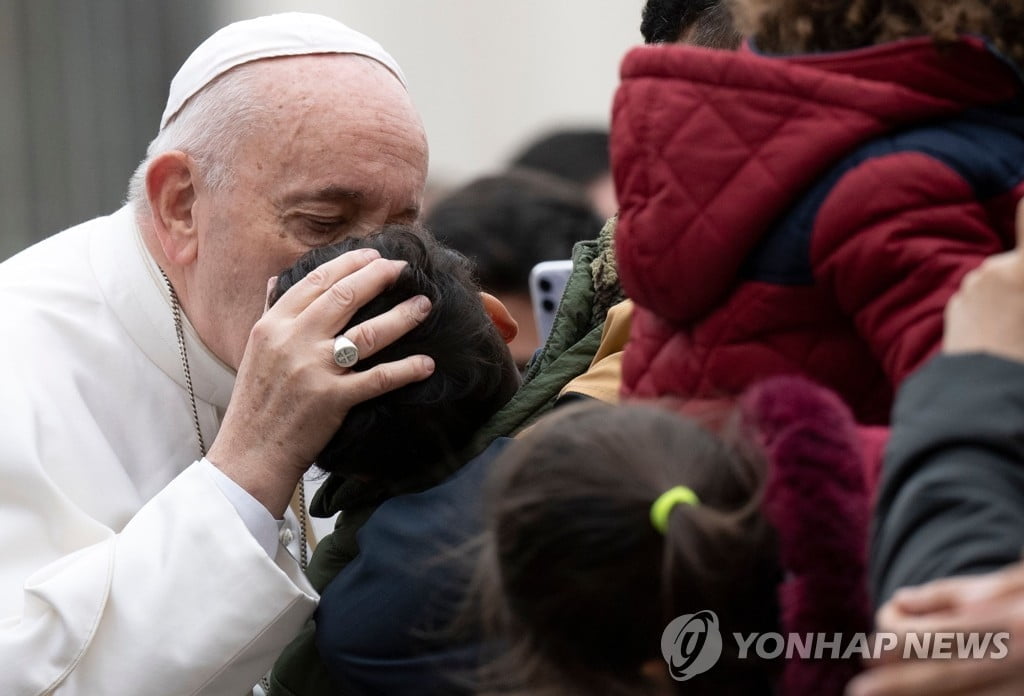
x=662, y=507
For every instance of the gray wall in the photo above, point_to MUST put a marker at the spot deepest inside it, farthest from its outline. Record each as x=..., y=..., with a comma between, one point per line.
x=83, y=83
x=82, y=86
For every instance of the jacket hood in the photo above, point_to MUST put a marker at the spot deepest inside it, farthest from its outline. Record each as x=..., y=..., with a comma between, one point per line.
x=694, y=131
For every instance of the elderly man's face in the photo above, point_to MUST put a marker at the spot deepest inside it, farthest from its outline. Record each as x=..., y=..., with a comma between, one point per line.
x=342, y=153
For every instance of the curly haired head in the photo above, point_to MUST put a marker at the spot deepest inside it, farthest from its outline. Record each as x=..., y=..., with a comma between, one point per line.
x=810, y=26
x=705, y=23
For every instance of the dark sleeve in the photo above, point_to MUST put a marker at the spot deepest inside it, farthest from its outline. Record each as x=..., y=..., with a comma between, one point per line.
x=386, y=624
x=951, y=500
x=299, y=671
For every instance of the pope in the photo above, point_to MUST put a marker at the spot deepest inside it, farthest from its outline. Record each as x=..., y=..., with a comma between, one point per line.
x=154, y=420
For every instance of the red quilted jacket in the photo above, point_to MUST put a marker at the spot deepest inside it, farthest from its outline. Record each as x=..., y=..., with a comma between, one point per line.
x=807, y=214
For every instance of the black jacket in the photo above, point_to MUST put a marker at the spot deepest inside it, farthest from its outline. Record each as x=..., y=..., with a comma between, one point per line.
x=951, y=500
x=388, y=624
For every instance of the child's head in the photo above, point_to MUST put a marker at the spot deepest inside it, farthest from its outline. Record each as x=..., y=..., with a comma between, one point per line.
x=574, y=572
x=808, y=26
x=407, y=430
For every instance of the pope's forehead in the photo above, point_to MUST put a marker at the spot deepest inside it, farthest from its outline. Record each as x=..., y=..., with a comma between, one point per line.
x=322, y=109
x=334, y=92
x=355, y=74
x=311, y=127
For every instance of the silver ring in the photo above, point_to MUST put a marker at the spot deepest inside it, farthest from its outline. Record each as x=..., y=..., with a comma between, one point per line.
x=346, y=354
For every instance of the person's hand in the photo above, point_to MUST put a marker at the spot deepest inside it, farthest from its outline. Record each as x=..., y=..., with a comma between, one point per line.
x=290, y=397
x=991, y=603
x=987, y=313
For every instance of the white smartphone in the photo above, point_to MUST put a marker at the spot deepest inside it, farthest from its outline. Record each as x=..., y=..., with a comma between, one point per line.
x=547, y=283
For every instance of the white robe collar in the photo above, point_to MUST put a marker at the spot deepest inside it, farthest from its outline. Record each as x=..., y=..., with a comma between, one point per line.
x=134, y=289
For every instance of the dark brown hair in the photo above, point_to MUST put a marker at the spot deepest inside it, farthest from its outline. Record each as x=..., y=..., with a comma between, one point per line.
x=418, y=430
x=577, y=580
x=808, y=26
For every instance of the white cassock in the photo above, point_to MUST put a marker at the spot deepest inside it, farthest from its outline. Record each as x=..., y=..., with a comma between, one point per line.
x=125, y=568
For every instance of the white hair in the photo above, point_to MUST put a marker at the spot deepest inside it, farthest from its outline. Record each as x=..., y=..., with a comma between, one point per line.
x=208, y=129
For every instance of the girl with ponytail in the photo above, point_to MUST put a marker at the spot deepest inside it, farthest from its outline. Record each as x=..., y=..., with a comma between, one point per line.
x=605, y=523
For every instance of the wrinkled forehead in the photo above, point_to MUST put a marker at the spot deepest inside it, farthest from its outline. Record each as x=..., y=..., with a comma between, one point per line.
x=354, y=77
x=320, y=99
x=328, y=133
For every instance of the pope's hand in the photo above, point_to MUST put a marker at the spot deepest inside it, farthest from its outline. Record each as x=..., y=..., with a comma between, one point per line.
x=987, y=314
x=290, y=397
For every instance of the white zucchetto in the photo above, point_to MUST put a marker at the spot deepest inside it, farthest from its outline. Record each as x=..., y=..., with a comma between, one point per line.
x=273, y=36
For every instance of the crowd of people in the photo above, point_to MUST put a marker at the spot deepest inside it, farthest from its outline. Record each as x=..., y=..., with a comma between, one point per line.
x=782, y=394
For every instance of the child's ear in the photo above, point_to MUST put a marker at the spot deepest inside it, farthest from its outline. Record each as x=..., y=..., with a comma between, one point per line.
x=499, y=314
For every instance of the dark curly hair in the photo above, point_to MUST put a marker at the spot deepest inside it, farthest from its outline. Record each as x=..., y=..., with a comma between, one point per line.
x=705, y=23
x=808, y=26
x=414, y=429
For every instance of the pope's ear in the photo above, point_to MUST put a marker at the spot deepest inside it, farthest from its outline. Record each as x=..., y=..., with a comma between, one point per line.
x=499, y=314
x=170, y=189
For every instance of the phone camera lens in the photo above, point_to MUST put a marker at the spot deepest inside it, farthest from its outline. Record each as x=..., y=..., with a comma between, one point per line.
x=545, y=285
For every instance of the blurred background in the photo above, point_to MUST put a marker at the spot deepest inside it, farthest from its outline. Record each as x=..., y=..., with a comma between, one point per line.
x=83, y=83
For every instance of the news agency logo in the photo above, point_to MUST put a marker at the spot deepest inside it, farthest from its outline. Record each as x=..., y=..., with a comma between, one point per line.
x=691, y=644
